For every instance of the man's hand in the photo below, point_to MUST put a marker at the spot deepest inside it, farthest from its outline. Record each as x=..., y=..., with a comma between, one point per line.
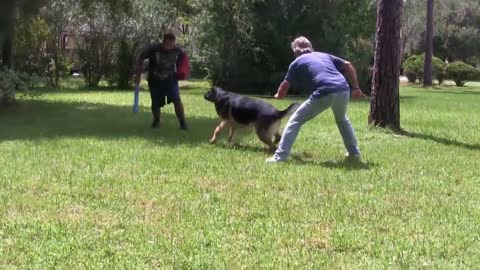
x=279, y=96
x=138, y=71
x=137, y=79
x=357, y=93
x=282, y=90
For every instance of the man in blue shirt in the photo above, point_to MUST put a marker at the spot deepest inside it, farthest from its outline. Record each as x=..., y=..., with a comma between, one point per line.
x=326, y=77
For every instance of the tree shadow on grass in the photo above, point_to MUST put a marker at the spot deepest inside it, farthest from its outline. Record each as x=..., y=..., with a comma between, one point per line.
x=444, y=141
x=39, y=119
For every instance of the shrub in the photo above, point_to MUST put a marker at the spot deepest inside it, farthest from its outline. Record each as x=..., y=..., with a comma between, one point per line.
x=414, y=65
x=10, y=83
x=439, y=70
x=410, y=68
x=460, y=73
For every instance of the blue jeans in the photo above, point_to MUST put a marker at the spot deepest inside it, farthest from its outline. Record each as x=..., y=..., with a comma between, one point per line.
x=312, y=107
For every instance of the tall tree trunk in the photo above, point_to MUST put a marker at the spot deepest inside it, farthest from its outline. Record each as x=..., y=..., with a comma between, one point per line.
x=427, y=68
x=7, y=51
x=7, y=33
x=57, y=70
x=385, y=102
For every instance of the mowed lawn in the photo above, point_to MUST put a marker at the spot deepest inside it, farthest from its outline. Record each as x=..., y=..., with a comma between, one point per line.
x=86, y=184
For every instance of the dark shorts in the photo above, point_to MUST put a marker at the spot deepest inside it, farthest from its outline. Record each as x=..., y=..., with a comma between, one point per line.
x=163, y=92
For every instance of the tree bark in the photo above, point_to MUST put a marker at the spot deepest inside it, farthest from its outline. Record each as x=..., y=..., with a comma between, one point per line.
x=427, y=68
x=385, y=102
x=7, y=51
x=7, y=33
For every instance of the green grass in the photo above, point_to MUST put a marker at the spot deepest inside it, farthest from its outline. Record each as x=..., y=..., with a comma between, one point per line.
x=84, y=183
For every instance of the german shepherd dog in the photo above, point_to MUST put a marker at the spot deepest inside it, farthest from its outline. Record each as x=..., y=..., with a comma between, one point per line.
x=238, y=111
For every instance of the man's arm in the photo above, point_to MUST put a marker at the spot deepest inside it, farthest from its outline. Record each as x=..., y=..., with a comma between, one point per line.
x=351, y=74
x=282, y=90
x=138, y=70
x=139, y=66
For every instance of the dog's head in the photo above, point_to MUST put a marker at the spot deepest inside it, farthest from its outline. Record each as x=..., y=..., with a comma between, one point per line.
x=214, y=94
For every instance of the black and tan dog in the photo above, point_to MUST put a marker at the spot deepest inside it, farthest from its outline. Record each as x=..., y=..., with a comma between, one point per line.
x=238, y=111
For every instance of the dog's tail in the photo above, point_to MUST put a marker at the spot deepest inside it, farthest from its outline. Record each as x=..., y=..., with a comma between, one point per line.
x=288, y=111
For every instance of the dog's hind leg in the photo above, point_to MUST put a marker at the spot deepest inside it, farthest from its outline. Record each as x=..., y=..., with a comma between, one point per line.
x=278, y=137
x=217, y=131
x=268, y=141
x=273, y=131
x=265, y=135
x=231, y=134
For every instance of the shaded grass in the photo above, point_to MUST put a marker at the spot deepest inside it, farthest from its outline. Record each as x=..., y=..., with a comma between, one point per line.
x=84, y=183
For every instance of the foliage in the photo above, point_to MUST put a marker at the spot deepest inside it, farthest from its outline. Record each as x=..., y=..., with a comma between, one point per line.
x=123, y=66
x=411, y=67
x=413, y=23
x=457, y=30
x=414, y=65
x=136, y=25
x=250, y=49
x=460, y=73
x=10, y=84
x=131, y=26
x=59, y=15
x=30, y=56
x=96, y=43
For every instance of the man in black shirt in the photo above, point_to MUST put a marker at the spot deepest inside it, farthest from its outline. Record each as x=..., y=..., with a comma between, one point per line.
x=164, y=59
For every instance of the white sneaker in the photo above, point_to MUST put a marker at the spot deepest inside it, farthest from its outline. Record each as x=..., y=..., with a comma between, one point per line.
x=356, y=157
x=274, y=160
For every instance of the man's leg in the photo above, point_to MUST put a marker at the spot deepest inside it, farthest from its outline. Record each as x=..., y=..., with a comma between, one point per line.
x=173, y=95
x=339, y=107
x=179, y=111
x=308, y=110
x=156, y=117
x=155, y=107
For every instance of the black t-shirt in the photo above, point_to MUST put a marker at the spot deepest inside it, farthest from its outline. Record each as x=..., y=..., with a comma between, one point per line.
x=162, y=63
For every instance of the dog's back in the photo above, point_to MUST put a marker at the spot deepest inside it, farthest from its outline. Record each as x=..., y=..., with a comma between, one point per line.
x=236, y=111
x=246, y=110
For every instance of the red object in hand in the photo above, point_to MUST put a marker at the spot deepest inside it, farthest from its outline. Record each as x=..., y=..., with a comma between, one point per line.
x=183, y=68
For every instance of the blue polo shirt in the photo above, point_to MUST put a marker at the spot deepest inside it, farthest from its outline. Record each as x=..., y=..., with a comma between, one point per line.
x=319, y=73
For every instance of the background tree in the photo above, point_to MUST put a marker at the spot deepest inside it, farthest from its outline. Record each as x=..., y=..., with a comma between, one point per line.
x=31, y=34
x=10, y=11
x=58, y=15
x=413, y=21
x=427, y=73
x=249, y=50
x=385, y=102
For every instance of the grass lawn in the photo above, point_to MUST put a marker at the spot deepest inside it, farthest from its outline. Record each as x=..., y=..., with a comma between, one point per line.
x=84, y=183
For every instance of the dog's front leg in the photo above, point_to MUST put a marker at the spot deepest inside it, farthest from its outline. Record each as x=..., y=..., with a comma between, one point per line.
x=217, y=131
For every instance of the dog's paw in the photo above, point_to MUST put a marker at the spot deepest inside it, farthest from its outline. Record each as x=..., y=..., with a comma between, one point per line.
x=271, y=149
x=212, y=141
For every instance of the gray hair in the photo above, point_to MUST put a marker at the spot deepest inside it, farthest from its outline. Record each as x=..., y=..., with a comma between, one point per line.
x=301, y=45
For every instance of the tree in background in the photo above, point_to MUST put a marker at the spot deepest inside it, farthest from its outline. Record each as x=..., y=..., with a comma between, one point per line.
x=59, y=16
x=249, y=49
x=457, y=29
x=137, y=23
x=31, y=34
x=7, y=30
x=10, y=11
x=385, y=102
x=427, y=73
x=413, y=21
